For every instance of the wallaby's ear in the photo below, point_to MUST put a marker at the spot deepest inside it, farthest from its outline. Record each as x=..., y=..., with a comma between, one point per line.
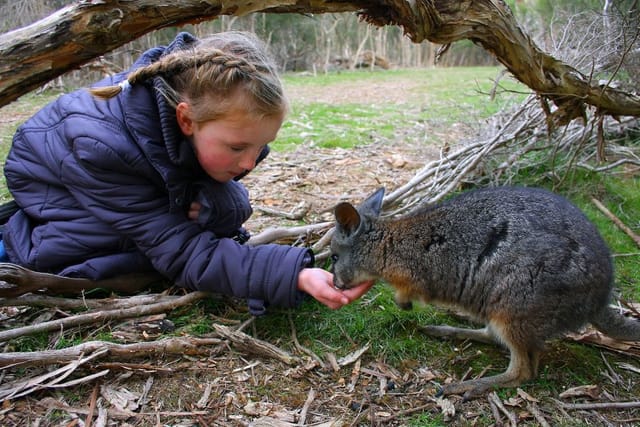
x=347, y=217
x=373, y=204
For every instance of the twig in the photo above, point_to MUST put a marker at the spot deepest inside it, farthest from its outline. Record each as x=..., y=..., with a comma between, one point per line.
x=300, y=347
x=608, y=166
x=296, y=214
x=323, y=242
x=255, y=346
x=616, y=221
x=615, y=378
x=204, y=399
x=92, y=406
x=533, y=408
x=410, y=411
x=355, y=375
x=493, y=396
x=102, y=316
x=273, y=234
x=305, y=408
x=495, y=412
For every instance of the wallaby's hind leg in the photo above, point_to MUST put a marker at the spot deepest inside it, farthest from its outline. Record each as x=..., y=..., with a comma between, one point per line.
x=19, y=281
x=522, y=367
x=523, y=364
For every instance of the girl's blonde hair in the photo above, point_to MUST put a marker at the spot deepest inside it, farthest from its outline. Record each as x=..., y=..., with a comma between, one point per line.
x=214, y=75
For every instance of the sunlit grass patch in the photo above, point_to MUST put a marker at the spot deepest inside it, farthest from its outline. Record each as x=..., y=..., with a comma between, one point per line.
x=333, y=126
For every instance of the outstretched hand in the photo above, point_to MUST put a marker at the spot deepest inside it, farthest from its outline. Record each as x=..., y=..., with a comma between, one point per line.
x=319, y=284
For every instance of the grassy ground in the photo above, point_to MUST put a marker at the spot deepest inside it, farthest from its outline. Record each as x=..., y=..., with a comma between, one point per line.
x=347, y=117
x=341, y=111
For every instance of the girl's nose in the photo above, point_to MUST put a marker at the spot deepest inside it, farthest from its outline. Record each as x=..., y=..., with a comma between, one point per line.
x=248, y=161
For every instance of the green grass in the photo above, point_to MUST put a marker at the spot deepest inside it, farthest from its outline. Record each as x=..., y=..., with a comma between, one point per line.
x=437, y=96
x=332, y=126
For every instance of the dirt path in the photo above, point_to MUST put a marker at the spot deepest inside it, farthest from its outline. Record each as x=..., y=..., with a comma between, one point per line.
x=318, y=178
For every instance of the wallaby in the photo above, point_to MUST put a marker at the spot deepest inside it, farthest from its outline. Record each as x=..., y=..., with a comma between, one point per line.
x=523, y=261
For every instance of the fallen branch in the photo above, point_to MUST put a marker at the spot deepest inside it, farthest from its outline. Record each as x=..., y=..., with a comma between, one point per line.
x=102, y=316
x=170, y=346
x=598, y=406
x=621, y=225
x=36, y=300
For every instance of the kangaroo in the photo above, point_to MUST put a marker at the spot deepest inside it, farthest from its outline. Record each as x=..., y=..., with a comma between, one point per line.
x=524, y=262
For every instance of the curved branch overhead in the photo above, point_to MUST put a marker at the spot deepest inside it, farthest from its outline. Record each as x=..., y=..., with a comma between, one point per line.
x=79, y=33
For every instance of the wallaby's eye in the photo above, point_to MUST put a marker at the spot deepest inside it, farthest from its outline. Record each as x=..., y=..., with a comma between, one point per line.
x=334, y=258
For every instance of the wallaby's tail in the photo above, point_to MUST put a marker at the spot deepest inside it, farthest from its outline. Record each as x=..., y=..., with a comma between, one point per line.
x=613, y=324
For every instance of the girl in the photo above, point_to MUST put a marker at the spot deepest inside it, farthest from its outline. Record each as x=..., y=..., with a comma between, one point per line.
x=141, y=174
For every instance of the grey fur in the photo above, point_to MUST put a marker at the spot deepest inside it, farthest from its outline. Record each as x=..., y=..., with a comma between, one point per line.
x=523, y=261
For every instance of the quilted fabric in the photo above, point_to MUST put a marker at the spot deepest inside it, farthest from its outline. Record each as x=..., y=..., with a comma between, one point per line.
x=104, y=187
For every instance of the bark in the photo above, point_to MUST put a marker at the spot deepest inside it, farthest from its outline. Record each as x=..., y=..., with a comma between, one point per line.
x=34, y=55
x=79, y=33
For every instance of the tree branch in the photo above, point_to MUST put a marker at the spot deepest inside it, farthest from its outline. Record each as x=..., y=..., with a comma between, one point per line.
x=36, y=54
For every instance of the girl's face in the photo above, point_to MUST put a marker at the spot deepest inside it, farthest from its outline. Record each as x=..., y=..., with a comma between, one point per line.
x=229, y=146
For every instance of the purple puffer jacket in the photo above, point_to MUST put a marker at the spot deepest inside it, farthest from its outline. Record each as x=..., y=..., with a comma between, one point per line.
x=104, y=188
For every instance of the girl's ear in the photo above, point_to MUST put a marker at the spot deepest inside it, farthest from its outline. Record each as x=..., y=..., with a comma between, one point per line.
x=183, y=115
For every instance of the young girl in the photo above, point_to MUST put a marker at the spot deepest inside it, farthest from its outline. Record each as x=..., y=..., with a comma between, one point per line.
x=141, y=174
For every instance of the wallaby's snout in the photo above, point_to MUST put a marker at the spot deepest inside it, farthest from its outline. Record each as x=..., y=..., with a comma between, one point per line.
x=523, y=261
x=338, y=281
x=345, y=276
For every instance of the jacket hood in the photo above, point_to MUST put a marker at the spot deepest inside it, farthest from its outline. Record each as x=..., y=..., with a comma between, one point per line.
x=152, y=121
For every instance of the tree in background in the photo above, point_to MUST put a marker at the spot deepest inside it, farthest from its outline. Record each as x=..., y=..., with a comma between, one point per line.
x=572, y=30
x=596, y=36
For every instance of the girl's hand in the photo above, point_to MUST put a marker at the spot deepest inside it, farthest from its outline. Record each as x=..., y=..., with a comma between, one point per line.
x=194, y=211
x=319, y=284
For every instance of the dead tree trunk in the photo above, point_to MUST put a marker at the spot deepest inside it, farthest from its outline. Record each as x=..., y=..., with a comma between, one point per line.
x=34, y=55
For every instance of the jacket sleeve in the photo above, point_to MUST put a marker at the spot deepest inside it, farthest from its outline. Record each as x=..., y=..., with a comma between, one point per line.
x=225, y=206
x=112, y=189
